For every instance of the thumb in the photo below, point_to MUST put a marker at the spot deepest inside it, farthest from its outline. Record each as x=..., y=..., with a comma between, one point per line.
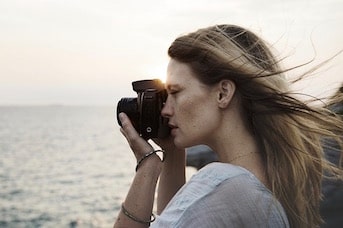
x=138, y=145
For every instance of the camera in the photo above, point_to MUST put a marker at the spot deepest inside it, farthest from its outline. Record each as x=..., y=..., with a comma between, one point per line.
x=144, y=110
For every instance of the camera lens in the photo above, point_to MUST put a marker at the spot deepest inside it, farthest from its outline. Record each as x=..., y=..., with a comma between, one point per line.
x=144, y=111
x=129, y=106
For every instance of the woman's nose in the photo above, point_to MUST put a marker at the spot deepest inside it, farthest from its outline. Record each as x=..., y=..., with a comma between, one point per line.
x=166, y=110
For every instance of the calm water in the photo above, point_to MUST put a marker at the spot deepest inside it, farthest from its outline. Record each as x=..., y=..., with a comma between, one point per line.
x=62, y=166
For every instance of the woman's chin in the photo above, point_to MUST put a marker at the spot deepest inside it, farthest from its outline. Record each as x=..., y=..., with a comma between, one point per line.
x=181, y=143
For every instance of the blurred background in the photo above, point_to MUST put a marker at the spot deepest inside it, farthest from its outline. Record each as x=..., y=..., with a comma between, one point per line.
x=65, y=64
x=88, y=52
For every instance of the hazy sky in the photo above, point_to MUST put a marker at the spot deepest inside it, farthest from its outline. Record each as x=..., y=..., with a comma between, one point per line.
x=88, y=52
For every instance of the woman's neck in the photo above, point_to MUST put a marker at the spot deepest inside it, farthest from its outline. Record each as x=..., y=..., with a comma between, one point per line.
x=236, y=145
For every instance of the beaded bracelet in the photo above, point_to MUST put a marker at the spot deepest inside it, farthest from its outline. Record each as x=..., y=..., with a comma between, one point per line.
x=149, y=154
x=128, y=214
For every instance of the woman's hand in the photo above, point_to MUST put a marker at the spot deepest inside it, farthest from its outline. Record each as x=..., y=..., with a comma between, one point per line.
x=172, y=176
x=138, y=145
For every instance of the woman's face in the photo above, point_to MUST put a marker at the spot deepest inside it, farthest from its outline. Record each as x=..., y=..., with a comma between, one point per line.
x=191, y=106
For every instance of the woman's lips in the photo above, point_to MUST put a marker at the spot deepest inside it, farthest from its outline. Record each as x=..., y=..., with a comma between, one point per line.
x=173, y=129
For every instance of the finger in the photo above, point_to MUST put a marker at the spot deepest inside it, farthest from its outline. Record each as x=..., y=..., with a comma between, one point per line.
x=123, y=132
x=127, y=127
x=137, y=143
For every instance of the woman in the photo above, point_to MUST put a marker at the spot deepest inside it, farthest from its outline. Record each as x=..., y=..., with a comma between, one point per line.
x=227, y=91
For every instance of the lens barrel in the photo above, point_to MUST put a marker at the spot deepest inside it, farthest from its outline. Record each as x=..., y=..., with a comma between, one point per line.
x=129, y=106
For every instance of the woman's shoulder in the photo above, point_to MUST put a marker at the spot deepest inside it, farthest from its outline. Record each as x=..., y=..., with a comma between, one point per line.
x=208, y=180
x=236, y=202
x=232, y=182
x=225, y=195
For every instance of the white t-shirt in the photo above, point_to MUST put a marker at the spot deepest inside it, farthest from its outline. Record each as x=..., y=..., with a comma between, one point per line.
x=223, y=195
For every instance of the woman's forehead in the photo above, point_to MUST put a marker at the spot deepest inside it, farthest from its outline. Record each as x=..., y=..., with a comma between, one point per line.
x=178, y=72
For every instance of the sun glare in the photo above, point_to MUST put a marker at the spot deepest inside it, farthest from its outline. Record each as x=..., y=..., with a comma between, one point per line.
x=158, y=72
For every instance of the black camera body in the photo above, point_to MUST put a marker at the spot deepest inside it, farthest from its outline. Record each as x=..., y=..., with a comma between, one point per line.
x=144, y=110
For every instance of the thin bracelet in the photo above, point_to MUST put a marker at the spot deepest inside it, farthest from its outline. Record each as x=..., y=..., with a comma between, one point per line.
x=128, y=214
x=149, y=154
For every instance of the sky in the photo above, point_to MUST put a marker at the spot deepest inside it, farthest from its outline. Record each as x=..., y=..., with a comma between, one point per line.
x=83, y=52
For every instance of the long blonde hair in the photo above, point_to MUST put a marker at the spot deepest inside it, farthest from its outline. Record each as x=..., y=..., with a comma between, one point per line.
x=289, y=131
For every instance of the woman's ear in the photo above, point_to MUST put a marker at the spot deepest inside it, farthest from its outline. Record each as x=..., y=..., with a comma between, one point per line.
x=226, y=90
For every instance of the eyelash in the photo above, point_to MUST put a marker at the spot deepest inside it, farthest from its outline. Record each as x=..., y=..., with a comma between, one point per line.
x=173, y=92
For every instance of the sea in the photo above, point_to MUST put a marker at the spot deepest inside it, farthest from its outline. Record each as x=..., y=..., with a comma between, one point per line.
x=62, y=166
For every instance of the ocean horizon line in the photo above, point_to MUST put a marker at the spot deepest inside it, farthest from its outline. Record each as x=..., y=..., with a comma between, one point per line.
x=58, y=105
